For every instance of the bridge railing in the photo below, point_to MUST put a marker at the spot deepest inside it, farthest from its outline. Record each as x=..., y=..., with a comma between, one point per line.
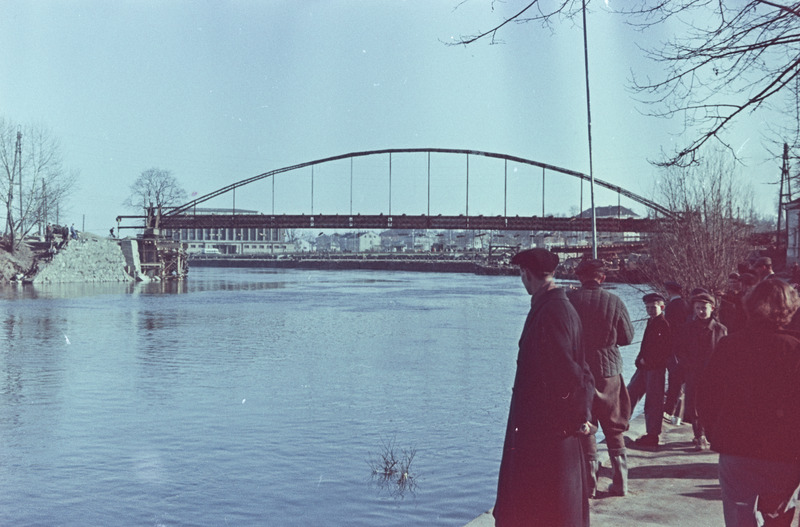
x=403, y=221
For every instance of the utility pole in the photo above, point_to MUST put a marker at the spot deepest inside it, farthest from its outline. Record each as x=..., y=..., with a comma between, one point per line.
x=783, y=195
x=18, y=161
x=43, y=213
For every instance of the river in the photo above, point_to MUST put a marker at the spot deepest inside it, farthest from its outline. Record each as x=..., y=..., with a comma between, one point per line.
x=259, y=397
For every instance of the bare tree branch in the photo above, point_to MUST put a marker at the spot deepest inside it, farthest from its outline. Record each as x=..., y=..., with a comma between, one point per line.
x=157, y=187
x=38, y=186
x=729, y=59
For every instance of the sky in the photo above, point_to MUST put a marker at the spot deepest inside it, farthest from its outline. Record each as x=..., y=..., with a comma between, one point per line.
x=220, y=91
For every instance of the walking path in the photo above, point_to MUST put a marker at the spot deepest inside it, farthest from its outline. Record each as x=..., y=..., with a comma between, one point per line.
x=671, y=486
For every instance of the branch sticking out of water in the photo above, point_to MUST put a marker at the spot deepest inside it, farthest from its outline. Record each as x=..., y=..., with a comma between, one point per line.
x=391, y=468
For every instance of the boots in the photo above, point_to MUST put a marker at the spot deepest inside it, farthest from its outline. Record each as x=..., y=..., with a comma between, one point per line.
x=592, y=466
x=619, y=466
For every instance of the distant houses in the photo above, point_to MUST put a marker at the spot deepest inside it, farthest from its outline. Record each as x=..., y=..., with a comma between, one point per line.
x=423, y=241
x=244, y=241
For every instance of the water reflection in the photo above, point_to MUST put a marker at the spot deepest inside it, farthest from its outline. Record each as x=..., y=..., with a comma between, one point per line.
x=76, y=290
x=32, y=362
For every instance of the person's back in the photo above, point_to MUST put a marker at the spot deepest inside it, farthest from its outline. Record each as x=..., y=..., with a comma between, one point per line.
x=749, y=399
x=750, y=396
x=606, y=326
x=677, y=314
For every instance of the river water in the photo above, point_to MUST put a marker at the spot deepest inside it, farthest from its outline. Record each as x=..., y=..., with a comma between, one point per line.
x=258, y=397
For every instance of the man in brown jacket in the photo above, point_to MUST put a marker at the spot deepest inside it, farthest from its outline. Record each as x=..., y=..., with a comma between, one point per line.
x=606, y=326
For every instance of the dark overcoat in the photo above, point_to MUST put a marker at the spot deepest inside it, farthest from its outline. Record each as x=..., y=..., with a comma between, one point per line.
x=542, y=477
x=656, y=348
x=749, y=397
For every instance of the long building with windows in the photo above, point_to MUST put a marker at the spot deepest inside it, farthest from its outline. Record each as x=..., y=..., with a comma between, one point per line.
x=230, y=240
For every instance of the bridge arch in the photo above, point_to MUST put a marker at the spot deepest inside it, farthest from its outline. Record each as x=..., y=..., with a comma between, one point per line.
x=187, y=207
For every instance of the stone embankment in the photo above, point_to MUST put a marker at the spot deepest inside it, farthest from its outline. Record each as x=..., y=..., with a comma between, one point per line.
x=87, y=259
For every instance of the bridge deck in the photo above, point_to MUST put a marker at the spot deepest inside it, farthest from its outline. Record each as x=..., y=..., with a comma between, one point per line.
x=381, y=221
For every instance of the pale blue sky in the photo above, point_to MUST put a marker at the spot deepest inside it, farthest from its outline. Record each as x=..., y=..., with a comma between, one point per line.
x=218, y=91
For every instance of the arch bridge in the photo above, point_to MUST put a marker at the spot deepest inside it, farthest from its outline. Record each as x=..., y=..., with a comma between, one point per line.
x=186, y=216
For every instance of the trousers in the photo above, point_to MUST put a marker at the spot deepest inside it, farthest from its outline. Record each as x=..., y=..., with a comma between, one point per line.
x=650, y=385
x=751, y=486
x=611, y=410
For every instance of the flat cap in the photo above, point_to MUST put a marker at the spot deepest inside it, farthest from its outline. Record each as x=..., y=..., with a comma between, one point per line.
x=653, y=297
x=704, y=297
x=539, y=260
x=591, y=265
x=672, y=286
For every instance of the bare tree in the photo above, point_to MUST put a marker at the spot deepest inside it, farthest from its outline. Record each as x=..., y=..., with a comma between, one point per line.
x=731, y=58
x=156, y=187
x=35, y=183
x=711, y=233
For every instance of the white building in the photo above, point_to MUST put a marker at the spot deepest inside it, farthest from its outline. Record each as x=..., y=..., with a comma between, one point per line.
x=238, y=241
x=360, y=242
x=793, y=230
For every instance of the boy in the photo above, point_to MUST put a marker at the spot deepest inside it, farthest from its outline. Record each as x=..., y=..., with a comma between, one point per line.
x=651, y=366
x=699, y=339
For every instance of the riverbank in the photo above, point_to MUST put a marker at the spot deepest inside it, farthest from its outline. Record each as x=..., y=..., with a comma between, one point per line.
x=17, y=264
x=671, y=486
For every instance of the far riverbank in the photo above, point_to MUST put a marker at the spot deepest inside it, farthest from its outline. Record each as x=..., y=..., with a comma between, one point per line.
x=354, y=262
x=478, y=263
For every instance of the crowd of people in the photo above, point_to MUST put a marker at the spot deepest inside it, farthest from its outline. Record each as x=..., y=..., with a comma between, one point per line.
x=725, y=362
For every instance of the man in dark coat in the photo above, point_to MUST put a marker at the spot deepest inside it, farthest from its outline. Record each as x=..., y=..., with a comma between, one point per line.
x=651, y=364
x=606, y=326
x=542, y=478
x=698, y=341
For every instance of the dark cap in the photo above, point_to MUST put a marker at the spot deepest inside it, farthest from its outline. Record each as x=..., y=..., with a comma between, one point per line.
x=704, y=297
x=590, y=266
x=699, y=291
x=537, y=260
x=764, y=260
x=653, y=297
x=672, y=286
x=733, y=276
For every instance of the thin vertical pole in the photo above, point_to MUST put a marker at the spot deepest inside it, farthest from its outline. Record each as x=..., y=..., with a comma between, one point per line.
x=312, y=190
x=467, y=207
x=390, y=183
x=505, y=188
x=273, y=194
x=429, y=183
x=351, y=186
x=589, y=128
x=542, y=192
x=234, y=201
